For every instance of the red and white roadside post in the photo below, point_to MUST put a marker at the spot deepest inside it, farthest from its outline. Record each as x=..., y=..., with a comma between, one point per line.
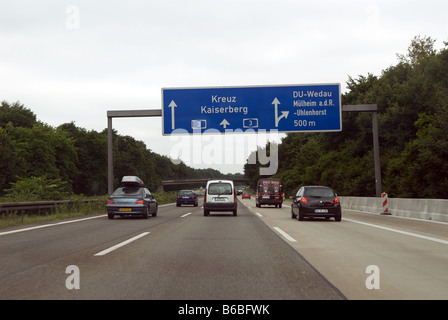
x=385, y=204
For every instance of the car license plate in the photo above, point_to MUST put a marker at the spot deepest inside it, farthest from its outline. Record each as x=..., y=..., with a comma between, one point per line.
x=266, y=197
x=185, y=197
x=125, y=209
x=321, y=210
x=220, y=199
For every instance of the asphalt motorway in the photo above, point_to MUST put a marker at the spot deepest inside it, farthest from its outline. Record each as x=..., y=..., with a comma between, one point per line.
x=369, y=256
x=180, y=254
x=261, y=254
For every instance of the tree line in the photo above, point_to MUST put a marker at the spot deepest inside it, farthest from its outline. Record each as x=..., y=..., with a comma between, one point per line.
x=74, y=160
x=412, y=99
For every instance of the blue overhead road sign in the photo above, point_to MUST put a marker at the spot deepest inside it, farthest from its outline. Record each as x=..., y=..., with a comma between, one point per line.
x=288, y=108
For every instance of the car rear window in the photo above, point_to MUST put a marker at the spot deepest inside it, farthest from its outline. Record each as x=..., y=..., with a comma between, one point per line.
x=185, y=193
x=220, y=188
x=319, y=192
x=127, y=192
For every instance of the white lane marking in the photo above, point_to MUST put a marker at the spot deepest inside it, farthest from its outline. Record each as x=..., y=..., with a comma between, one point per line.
x=187, y=214
x=259, y=214
x=49, y=225
x=399, y=231
x=102, y=253
x=285, y=235
x=63, y=222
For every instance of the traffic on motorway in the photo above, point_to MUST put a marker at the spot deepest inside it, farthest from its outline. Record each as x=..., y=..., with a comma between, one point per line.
x=133, y=199
x=203, y=259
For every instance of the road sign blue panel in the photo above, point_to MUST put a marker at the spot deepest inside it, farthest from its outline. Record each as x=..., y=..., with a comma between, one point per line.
x=289, y=108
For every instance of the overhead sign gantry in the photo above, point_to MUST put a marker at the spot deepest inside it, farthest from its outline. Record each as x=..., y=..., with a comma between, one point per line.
x=288, y=108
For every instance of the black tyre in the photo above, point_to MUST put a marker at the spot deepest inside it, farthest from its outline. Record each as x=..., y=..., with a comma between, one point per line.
x=338, y=217
x=145, y=213
x=293, y=216
x=154, y=214
x=300, y=217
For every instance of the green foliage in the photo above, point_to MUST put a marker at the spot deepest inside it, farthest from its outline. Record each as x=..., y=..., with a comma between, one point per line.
x=38, y=188
x=412, y=99
x=17, y=114
x=47, y=158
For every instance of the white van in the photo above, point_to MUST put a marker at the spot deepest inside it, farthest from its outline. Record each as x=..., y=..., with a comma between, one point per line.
x=220, y=195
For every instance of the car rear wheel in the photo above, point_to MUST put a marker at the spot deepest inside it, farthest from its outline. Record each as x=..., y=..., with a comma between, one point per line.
x=110, y=216
x=145, y=213
x=154, y=214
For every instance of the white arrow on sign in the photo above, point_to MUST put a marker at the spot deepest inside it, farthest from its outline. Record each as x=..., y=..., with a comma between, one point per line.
x=172, y=105
x=285, y=114
x=224, y=123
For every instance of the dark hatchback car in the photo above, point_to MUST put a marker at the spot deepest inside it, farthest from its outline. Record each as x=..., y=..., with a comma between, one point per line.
x=316, y=201
x=186, y=197
x=131, y=199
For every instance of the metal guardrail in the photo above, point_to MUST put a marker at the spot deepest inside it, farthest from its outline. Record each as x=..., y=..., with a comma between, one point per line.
x=38, y=205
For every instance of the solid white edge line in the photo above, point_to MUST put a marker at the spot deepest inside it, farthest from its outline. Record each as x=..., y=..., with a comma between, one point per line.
x=284, y=234
x=63, y=222
x=399, y=231
x=259, y=214
x=50, y=225
x=102, y=253
x=187, y=214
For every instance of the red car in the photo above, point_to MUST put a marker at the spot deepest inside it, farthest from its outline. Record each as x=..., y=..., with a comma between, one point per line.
x=246, y=195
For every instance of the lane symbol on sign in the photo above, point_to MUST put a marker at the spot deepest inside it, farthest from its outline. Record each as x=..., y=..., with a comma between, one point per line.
x=285, y=114
x=224, y=123
x=250, y=123
x=198, y=124
x=172, y=106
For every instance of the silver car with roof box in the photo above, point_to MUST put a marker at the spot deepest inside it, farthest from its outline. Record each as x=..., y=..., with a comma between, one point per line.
x=131, y=199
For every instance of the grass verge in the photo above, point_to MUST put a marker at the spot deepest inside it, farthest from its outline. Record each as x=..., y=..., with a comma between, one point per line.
x=62, y=212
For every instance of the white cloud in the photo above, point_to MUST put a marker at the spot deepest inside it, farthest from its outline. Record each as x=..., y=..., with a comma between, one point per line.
x=124, y=52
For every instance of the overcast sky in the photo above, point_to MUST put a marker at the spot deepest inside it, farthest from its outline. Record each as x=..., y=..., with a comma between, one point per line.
x=75, y=60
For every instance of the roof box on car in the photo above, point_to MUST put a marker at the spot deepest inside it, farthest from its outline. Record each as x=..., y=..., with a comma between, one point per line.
x=131, y=181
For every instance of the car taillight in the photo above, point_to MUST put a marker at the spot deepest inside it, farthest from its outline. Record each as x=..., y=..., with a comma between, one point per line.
x=304, y=200
x=336, y=201
x=139, y=202
x=110, y=201
x=205, y=196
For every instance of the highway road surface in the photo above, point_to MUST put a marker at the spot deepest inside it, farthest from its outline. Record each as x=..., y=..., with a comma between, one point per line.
x=261, y=254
